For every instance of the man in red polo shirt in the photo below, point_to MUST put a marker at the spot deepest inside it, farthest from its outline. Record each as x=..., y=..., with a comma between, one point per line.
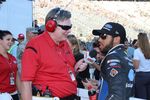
x=48, y=62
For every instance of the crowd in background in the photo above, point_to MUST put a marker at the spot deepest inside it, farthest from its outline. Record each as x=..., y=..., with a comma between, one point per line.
x=91, y=74
x=137, y=50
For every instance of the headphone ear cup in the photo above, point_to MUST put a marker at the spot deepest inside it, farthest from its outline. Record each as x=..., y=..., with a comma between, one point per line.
x=51, y=25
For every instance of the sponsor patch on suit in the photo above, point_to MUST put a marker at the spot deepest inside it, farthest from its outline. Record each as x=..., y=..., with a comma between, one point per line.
x=113, y=72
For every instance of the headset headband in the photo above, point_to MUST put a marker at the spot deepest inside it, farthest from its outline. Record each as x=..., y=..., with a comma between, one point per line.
x=57, y=13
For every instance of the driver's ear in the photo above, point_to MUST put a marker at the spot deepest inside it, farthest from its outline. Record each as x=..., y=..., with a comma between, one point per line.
x=117, y=40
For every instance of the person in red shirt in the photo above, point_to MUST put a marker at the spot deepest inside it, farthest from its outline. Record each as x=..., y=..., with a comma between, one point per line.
x=48, y=62
x=8, y=66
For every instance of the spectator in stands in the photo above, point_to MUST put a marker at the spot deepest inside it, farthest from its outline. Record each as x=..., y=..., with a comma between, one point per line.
x=135, y=44
x=13, y=49
x=8, y=68
x=20, y=49
x=131, y=48
x=41, y=29
x=31, y=33
x=35, y=24
x=141, y=61
x=126, y=44
x=48, y=62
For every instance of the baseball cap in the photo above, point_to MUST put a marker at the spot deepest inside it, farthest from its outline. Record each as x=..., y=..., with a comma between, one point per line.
x=21, y=36
x=113, y=29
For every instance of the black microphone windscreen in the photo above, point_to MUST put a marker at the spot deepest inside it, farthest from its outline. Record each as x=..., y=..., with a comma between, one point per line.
x=93, y=53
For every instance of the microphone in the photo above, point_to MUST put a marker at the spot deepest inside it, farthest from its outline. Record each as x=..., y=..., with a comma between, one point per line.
x=90, y=57
x=93, y=53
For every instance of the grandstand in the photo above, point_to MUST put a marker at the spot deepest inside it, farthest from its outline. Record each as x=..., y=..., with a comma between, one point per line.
x=89, y=14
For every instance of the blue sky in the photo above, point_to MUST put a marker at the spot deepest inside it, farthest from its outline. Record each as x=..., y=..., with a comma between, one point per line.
x=16, y=16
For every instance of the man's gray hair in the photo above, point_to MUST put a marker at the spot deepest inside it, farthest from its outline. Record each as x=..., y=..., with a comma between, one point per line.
x=58, y=14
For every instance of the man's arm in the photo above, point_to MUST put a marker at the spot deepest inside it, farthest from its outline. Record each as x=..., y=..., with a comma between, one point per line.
x=98, y=67
x=90, y=60
x=114, y=75
x=26, y=93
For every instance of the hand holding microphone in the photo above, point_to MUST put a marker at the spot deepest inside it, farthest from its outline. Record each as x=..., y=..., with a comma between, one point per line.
x=89, y=57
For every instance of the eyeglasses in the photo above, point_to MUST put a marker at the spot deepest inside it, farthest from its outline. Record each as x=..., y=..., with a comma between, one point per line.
x=103, y=36
x=65, y=27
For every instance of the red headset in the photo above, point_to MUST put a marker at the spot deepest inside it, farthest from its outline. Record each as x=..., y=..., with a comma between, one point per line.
x=52, y=23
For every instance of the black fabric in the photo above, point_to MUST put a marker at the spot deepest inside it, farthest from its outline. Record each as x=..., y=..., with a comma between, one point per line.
x=118, y=71
x=36, y=91
x=142, y=85
x=96, y=74
x=15, y=97
x=78, y=56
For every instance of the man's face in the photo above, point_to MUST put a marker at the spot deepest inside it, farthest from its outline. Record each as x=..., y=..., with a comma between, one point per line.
x=105, y=43
x=20, y=40
x=62, y=30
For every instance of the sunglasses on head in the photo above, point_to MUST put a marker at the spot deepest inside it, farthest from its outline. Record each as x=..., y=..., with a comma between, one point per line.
x=65, y=27
x=103, y=36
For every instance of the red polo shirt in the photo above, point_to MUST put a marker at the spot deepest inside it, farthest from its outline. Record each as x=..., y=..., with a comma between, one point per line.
x=47, y=64
x=7, y=66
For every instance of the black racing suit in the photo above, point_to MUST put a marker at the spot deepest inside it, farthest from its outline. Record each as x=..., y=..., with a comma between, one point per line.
x=118, y=72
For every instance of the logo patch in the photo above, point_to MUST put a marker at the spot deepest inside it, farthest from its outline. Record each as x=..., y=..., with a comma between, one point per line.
x=129, y=85
x=113, y=64
x=113, y=60
x=131, y=75
x=108, y=27
x=116, y=66
x=113, y=72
